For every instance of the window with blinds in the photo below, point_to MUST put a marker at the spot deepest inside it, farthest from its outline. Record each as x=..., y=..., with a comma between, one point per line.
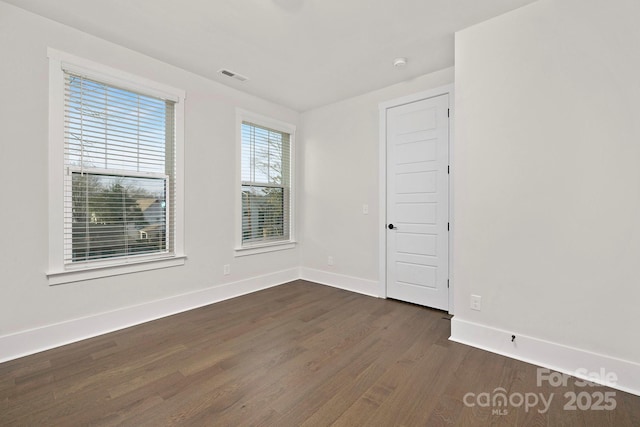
x=266, y=184
x=119, y=189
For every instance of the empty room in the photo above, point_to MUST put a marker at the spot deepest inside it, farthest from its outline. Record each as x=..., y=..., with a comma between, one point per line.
x=320, y=213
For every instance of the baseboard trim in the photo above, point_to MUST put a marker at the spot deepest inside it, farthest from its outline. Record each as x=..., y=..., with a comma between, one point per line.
x=349, y=283
x=550, y=355
x=47, y=337
x=532, y=350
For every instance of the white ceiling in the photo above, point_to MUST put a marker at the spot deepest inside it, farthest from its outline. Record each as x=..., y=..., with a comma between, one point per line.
x=298, y=53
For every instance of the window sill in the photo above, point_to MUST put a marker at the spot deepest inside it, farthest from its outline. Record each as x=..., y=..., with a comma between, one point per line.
x=70, y=276
x=263, y=248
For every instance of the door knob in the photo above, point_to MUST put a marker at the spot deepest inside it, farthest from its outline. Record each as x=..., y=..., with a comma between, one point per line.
x=391, y=227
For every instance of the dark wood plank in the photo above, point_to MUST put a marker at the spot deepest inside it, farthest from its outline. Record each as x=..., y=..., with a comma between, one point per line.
x=299, y=354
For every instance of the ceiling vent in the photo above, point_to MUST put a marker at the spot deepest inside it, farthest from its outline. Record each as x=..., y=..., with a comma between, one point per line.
x=233, y=74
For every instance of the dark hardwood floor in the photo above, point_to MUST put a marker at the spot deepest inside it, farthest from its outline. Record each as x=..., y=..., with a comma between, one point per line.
x=299, y=354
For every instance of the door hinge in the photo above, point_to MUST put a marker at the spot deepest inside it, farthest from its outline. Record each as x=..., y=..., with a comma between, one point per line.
x=447, y=283
x=447, y=226
x=448, y=169
x=448, y=112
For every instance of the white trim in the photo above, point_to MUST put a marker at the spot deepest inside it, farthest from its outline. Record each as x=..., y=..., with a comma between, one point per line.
x=452, y=228
x=116, y=172
x=95, y=272
x=243, y=115
x=382, y=202
x=50, y=336
x=551, y=355
x=419, y=96
x=382, y=181
x=558, y=357
x=266, y=121
x=114, y=76
x=349, y=283
x=56, y=162
x=57, y=272
x=265, y=247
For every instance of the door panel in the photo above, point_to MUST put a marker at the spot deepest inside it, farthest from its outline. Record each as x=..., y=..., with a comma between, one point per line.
x=418, y=202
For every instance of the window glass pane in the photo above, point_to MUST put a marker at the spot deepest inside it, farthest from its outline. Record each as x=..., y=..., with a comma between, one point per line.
x=263, y=213
x=119, y=150
x=112, y=128
x=264, y=154
x=116, y=216
x=265, y=184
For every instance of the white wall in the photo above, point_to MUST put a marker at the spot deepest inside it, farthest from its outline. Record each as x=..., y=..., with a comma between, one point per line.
x=547, y=183
x=340, y=167
x=26, y=300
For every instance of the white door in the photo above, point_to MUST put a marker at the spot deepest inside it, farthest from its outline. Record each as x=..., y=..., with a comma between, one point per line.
x=418, y=202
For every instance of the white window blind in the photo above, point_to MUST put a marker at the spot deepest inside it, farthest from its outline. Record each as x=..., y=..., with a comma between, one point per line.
x=266, y=184
x=119, y=150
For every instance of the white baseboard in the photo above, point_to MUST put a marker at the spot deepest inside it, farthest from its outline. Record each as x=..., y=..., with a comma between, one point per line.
x=532, y=350
x=554, y=356
x=50, y=336
x=349, y=283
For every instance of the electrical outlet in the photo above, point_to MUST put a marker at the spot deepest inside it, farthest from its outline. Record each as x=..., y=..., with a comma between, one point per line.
x=227, y=269
x=476, y=302
x=365, y=209
x=330, y=260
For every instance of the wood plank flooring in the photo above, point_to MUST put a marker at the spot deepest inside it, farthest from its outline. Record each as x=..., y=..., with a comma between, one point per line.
x=299, y=354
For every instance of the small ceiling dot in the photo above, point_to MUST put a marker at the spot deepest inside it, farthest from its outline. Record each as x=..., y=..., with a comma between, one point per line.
x=399, y=62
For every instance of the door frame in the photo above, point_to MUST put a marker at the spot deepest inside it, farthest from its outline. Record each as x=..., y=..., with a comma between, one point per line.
x=382, y=176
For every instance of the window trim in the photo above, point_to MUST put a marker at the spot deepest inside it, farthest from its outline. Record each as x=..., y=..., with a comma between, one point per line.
x=58, y=271
x=268, y=122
